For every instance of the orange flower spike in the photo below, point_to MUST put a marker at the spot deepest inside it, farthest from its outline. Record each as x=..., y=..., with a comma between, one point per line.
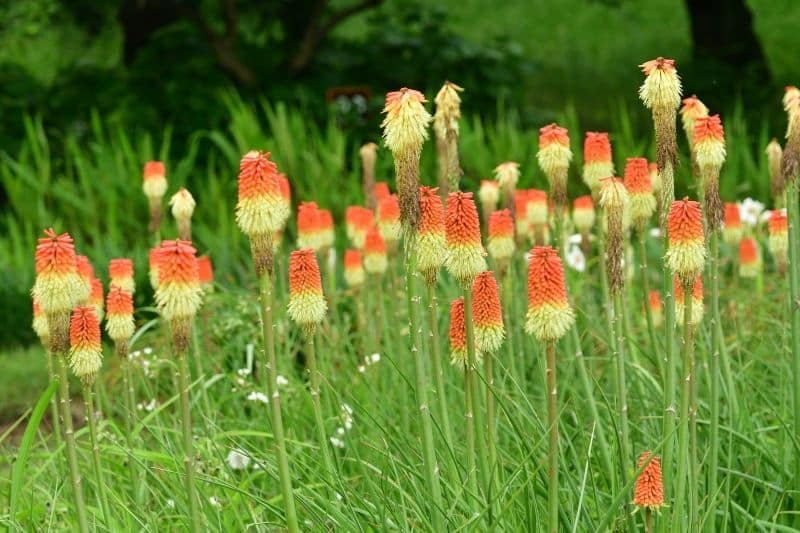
x=549, y=314
x=405, y=129
x=458, y=335
x=749, y=258
x=364, y=221
x=709, y=155
x=205, y=271
x=285, y=190
x=648, y=492
x=732, y=228
x=691, y=110
x=381, y=191
x=583, y=214
x=597, y=162
x=353, y=268
x=96, y=298
x=351, y=221
x=487, y=313
x=58, y=285
x=656, y=308
x=521, y=198
x=431, y=241
x=154, y=185
x=309, y=230
x=465, y=255
x=85, y=353
x=178, y=292
x=389, y=220
x=40, y=325
x=536, y=207
x=121, y=273
x=153, y=267
x=374, y=252
x=327, y=231
x=307, y=306
x=262, y=208
x=697, y=299
x=500, y=243
x=778, y=242
x=686, y=253
x=662, y=86
x=86, y=273
x=554, y=156
x=119, y=323
x=640, y=191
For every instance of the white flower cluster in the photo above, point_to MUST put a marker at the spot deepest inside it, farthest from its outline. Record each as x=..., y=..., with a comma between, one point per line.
x=337, y=440
x=369, y=360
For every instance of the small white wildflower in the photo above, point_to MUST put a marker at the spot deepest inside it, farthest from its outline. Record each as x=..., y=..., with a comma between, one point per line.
x=348, y=423
x=241, y=382
x=376, y=357
x=362, y=368
x=575, y=259
x=338, y=496
x=750, y=210
x=340, y=431
x=575, y=238
x=282, y=381
x=257, y=396
x=655, y=232
x=171, y=503
x=136, y=354
x=213, y=500
x=527, y=257
x=237, y=459
x=149, y=406
x=243, y=372
x=347, y=409
x=148, y=350
x=337, y=443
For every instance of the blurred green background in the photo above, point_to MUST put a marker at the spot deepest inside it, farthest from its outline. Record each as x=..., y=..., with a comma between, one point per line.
x=90, y=90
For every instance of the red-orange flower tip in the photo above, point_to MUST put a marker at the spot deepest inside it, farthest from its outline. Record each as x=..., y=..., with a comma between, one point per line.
x=662, y=86
x=549, y=313
x=374, y=252
x=261, y=209
x=353, y=268
x=648, y=491
x=686, y=253
x=85, y=354
x=487, y=313
x=465, y=255
x=307, y=304
x=749, y=258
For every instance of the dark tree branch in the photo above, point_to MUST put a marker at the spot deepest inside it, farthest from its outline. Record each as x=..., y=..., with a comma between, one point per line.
x=317, y=30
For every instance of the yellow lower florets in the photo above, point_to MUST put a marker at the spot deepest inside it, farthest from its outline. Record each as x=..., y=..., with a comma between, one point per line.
x=549, y=322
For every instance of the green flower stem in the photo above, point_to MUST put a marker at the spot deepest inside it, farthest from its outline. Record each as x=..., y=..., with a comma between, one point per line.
x=684, y=423
x=472, y=375
x=508, y=300
x=197, y=352
x=794, y=284
x=438, y=374
x=53, y=400
x=69, y=438
x=714, y=376
x=670, y=412
x=88, y=402
x=129, y=397
x=322, y=436
x=266, y=302
x=469, y=426
x=188, y=444
x=651, y=330
x=552, y=453
x=621, y=385
x=415, y=335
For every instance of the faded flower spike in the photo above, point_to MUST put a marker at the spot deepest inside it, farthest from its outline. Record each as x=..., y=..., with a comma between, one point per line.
x=640, y=191
x=500, y=243
x=374, y=252
x=353, y=268
x=307, y=304
x=648, y=492
x=388, y=218
x=662, y=86
x=58, y=286
x=554, y=156
x=119, y=324
x=549, y=313
x=614, y=200
x=732, y=228
x=445, y=126
x=691, y=110
x=774, y=155
x=487, y=313
x=749, y=258
x=154, y=185
x=464, y=258
x=597, y=162
x=431, y=240
x=686, y=253
x=178, y=292
x=583, y=215
x=405, y=129
x=709, y=155
x=368, y=153
x=85, y=353
x=507, y=176
x=121, y=273
x=778, y=242
x=697, y=299
x=183, y=205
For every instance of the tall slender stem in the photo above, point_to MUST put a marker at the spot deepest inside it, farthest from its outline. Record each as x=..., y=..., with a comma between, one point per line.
x=438, y=374
x=508, y=299
x=622, y=388
x=69, y=438
x=670, y=410
x=188, y=444
x=552, y=454
x=794, y=289
x=469, y=427
x=266, y=302
x=197, y=352
x=415, y=335
x=683, y=427
x=324, y=449
x=472, y=365
x=130, y=404
x=491, y=433
x=88, y=402
x=714, y=376
x=648, y=313
x=54, y=400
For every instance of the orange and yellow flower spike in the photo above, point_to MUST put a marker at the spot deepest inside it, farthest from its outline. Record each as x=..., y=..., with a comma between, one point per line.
x=96, y=298
x=465, y=255
x=554, y=157
x=120, y=271
x=119, y=323
x=183, y=205
x=375, y=261
x=431, y=240
x=307, y=306
x=686, y=253
x=353, y=268
x=154, y=185
x=778, y=242
x=500, y=242
x=178, y=292
x=58, y=286
x=597, y=161
x=458, y=335
x=549, y=314
x=691, y=110
x=583, y=214
x=388, y=218
x=309, y=230
x=85, y=353
x=487, y=313
x=640, y=191
x=749, y=258
x=732, y=227
x=656, y=308
x=648, y=492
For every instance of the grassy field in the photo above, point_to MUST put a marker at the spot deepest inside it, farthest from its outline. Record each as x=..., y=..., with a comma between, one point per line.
x=370, y=386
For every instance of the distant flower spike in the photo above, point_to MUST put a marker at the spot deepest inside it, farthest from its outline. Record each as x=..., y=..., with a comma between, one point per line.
x=178, y=292
x=732, y=228
x=656, y=308
x=154, y=185
x=121, y=273
x=96, y=298
x=774, y=155
x=640, y=190
x=489, y=195
x=709, y=155
x=500, y=244
x=307, y=304
x=749, y=258
x=374, y=252
x=309, y=227
x=554, y=156
x=614, y=200
x=445, y=126
x=353, y=268
x=183, y=205
x=597, y=162
x=691, y=110
x=388, y=217
x=583, y=215
x=119, y=324
x=86, y=274
x=778, y=241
